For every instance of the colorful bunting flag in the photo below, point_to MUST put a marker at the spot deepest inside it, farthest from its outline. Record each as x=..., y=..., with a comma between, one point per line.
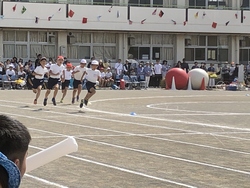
x=110, y=8
x=203, y=15
x=185, y=23
x=14, y=8
x=174, y=22
x=71, y=13
x=50, y=17
x=161, y=13
x=130, y=22
x=36, y=20
x=236, y=15
x=59, y=9
x=118, y=14
x=23, y=10
x=196, y=15
x=84, y=20
x=244, y=17
x=99, y=18
x=142, y=22
x=154, y=13
x=214, y=25
x=227, y=23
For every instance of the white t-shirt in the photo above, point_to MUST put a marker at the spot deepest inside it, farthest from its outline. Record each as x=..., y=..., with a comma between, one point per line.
x=56, y=69
x=119, y=68
x=103, y=74
x=40, y=70
x=10, y=72
x=92, y=75
x=108, y=74
x=79, y=74
x=158, y=68
x=68, y=74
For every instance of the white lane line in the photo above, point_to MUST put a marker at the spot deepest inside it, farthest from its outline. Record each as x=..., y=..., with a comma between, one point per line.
x=137, y=116
x=161, y=155
x=132, y=134
x=45, y=181
x=166, y=108
x=125, y=170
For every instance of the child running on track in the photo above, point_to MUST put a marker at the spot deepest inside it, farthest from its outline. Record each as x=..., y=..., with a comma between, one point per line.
x=55, y=74
x=92, y=75
x=39, y=78
x=66, y=77
x=78, y=79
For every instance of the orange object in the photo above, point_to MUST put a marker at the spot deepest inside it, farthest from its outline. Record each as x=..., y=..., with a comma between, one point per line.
x=203, y=87
x=122, y=84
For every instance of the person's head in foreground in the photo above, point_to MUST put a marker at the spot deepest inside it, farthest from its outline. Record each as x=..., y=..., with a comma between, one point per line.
x=10, y=176
x=14, y=141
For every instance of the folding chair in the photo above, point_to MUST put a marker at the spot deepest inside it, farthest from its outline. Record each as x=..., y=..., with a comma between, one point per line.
x=128, y=82
x=142, y=81
x=5, y=82
x=134, y=82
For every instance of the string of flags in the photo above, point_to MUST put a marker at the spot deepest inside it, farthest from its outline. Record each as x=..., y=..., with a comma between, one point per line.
x=160, y=13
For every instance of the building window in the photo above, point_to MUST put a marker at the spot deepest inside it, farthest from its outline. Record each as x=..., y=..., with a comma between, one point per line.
x=245, y=4
x=102, y=2
x=145, y=3
x=197, y=3
x=208, y=3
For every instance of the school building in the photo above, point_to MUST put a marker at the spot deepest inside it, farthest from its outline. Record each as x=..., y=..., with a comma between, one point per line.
x=199, y=30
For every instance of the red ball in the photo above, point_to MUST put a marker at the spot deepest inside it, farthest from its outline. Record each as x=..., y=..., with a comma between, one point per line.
x=180, y=76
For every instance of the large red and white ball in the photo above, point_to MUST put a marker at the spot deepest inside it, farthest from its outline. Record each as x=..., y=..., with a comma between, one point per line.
x=180, y=77
x=196, y=76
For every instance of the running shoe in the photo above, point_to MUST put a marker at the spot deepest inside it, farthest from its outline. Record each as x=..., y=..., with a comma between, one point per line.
x=81, y=104
x=35, y=101
x=77, y=98
x=54, y=101
x=45, y=102
x=85, y=102
x=73, y=100
x=61, y=101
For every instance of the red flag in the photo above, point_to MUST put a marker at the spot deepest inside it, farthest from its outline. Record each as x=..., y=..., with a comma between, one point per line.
x=84, y=20
x=185, y=23
x=71, y=13
x=110, y=8
x=161, y=13
x=14, y=8
x=227, y=23
x=142, y=22
x=130, y=22
x=154, y=13
x=236, y=15
x=36, y=20
x=49, y=18
x=214, y=25
x=174, y=22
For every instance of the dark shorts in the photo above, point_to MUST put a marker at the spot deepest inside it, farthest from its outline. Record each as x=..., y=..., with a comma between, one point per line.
x=37, y=83
x=90, y=85
x=65, y=84
x=76, y=83
x=52, y=82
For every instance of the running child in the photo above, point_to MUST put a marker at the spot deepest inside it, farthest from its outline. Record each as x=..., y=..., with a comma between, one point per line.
x=38, y=81
x=92, y=75
x=78, y=79
x=55, y=74
x=66, y=77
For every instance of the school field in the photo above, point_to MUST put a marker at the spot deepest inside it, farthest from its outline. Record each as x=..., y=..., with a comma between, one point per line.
x=140, y=138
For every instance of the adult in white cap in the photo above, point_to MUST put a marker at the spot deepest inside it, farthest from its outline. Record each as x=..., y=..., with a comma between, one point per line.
x=55, y=74
x=92, y=76
x=78, y=79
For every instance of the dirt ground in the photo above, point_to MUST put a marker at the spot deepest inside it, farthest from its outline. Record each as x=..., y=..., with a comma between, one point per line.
x=139, y=138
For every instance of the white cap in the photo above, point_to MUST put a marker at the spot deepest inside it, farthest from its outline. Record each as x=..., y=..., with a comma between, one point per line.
x=83, y=61
x=94, y=62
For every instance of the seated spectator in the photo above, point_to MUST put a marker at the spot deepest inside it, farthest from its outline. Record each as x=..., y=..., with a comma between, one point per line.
x=109, y=77
x=10, y=72
x=21, y=73
x=195, y=66
x=2, y=69
x=102, y=79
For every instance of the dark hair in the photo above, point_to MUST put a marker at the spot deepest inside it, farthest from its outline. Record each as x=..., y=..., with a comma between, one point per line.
x=4, y=177
x=15, y=138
